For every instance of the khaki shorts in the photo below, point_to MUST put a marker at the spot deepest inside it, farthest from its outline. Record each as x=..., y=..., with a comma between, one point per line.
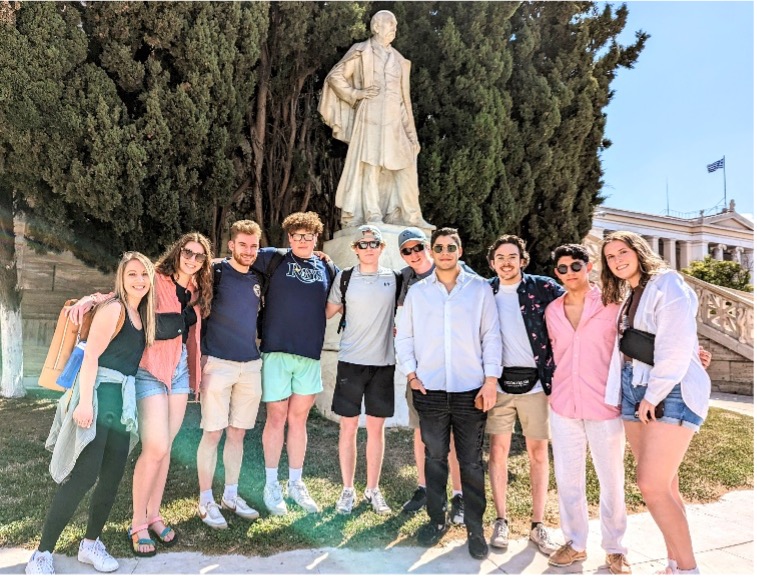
x=412, y=414
x=229, y=394
x=531, y=409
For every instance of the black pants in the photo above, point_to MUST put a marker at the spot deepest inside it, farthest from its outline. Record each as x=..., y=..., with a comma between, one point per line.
x=439, y=412
x=103, y=460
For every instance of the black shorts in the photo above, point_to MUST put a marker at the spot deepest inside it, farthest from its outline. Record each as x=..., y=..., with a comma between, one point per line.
x=353, y=382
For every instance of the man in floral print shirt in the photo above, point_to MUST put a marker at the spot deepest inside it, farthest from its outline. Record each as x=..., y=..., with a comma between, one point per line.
x=527, y=377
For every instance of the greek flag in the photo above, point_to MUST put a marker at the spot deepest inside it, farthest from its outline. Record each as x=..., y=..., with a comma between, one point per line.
x=715, y=165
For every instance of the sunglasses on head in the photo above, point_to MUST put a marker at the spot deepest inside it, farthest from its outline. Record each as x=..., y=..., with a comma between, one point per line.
x=575, y=266
x=364, y=244
x=439, y=248
x=190, y=254
x=410, y=250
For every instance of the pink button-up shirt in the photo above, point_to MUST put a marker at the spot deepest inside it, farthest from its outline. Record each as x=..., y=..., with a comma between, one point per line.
x=582, y=356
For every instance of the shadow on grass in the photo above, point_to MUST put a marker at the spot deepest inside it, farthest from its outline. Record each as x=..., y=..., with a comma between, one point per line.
x=721, y=458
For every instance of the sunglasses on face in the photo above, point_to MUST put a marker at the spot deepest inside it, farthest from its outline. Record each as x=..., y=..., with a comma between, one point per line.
x=575, y=266
x=364, y=244
x=410, y=250
x=302, y=236
x=191, y=255
x=439, y=248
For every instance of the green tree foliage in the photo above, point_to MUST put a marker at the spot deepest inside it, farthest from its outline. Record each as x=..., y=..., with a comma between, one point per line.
x=292, y=168
x=725, y=273
x=510, y=102
x=123, y=121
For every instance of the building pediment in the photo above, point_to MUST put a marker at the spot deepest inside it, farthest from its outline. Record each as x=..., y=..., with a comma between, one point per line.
x=732, y=220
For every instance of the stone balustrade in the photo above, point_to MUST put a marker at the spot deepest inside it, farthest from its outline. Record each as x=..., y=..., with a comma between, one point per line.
x=725, y=316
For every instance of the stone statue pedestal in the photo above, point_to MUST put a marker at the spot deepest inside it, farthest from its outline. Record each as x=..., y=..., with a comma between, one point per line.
x=341, y=253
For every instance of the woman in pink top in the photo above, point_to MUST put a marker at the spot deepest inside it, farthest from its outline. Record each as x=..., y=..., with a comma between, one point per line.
x=168, y=370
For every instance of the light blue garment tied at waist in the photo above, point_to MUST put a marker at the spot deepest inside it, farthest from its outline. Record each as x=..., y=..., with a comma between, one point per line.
x=66, y=440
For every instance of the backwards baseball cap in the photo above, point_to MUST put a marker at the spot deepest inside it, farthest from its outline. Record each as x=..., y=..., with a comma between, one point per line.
x=412, y=233
x=364, y=230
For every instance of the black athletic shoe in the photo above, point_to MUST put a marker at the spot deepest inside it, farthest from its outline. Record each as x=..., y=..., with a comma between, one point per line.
x=457, y=514
x=477, y=546
x=416, y=502
x=431, y=533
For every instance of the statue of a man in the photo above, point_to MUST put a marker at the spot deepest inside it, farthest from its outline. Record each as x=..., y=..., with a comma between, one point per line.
x=366, y=102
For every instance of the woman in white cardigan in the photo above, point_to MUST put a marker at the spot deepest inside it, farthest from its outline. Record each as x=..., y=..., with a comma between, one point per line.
x=664, y=403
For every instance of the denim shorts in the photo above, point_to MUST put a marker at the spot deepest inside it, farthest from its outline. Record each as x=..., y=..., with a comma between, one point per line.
x=676, y=412
x=147, y=385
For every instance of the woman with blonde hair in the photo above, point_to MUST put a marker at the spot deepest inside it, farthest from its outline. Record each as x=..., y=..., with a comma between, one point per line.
x=95, y=426
x=657, y=377
x=169, y=369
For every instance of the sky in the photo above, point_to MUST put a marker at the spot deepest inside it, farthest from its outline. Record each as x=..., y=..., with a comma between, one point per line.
x=688, y=102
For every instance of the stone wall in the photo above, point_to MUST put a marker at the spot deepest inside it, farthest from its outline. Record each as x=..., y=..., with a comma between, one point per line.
x=729, y=371
x=47, y=281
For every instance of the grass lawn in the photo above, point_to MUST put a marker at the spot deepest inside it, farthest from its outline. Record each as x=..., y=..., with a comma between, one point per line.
x=720, y=459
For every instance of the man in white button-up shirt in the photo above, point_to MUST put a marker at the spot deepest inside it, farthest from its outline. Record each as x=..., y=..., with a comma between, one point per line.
x=452, y=367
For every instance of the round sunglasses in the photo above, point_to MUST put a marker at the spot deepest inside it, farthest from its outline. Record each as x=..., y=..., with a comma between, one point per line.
x=575, y=266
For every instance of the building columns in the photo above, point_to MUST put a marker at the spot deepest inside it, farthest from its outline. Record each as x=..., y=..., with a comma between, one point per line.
x=654, y=243
x=717, y=252
x=669, y=252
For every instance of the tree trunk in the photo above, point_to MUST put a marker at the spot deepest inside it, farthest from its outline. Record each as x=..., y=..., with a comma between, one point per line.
x=11, y=334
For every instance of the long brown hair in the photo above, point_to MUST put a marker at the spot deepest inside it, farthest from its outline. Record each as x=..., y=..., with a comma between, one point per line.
x=146, y=306
x=650, y=264
x=168, y=265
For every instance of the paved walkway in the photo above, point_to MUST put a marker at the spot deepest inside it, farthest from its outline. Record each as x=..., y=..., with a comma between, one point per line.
x=722, y=533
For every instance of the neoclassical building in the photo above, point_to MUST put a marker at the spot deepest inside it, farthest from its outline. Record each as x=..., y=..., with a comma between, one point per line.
x=724, y=236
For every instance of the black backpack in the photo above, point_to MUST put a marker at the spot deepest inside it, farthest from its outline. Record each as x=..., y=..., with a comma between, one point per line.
x=344, y=282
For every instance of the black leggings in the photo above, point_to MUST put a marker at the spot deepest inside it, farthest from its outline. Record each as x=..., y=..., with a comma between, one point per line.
x=104, y=461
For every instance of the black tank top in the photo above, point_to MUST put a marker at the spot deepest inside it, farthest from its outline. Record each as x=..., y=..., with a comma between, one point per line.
x=125, y=351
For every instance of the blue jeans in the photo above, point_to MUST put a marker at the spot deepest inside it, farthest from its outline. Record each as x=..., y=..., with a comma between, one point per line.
x=675, y=410
x=146, y=385
x=439, y=412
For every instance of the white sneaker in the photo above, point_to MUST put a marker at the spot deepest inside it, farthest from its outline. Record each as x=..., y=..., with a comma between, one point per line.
x=298, y=492
x=274, y=499
x=376, y=500
x=346, y=502
x=544, y=542
x=41, y=563
x=95, y=554
x=240, y=507
x=500, y=534
x=211, y=515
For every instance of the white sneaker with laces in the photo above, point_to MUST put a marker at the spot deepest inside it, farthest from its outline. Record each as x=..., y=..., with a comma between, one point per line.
x=500, y=538
x=94, y=553
x=540, y=536
x=41, y=563
x=274, y=499
x=211, y=515
x=376, y=500
x=298, y=492
x=346, y=502
x=240, y=507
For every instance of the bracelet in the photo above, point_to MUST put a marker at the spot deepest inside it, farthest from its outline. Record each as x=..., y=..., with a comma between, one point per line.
x=413, y=379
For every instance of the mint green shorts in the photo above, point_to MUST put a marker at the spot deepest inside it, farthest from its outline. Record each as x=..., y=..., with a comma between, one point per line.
x=285, y=374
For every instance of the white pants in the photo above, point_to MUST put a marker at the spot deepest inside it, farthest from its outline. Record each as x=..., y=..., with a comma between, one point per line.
x=607, y=442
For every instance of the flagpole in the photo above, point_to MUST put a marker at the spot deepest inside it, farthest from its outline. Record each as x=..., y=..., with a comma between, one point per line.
x=725, y=199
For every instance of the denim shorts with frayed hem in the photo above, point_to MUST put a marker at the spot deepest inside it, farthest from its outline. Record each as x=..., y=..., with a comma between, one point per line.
x=146, y=385
x=676, y=411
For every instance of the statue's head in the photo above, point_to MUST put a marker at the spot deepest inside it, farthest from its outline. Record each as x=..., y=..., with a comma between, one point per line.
x=384, y=26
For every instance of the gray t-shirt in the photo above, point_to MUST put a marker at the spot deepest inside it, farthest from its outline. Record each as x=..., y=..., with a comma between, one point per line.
x=368, y=335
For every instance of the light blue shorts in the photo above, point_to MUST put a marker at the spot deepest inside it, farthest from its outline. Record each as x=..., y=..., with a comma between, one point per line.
x=676, y=411
x=147, y=385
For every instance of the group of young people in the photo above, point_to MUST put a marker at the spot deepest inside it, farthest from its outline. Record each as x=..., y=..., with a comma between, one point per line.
x=476, y=353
